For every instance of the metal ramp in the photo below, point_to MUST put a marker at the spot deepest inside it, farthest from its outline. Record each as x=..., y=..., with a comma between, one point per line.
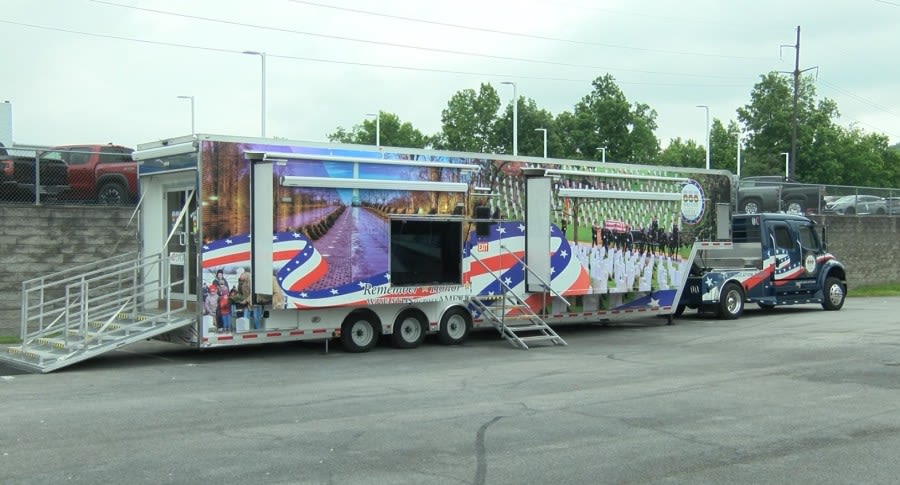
x=73, y=315
x=513, y=317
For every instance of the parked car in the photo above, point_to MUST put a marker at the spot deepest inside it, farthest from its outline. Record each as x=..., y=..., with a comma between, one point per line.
x=857, y=205
x=105, y=174
x=774, y=193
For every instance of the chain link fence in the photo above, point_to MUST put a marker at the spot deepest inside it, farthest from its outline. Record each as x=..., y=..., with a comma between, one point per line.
x=83, y=174
x=771, y=194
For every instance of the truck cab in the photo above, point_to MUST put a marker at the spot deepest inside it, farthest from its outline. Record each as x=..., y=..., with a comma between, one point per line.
x=773, y=259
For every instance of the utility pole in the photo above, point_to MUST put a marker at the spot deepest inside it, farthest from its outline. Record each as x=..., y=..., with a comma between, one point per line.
x=792, y=168
x=792, y=162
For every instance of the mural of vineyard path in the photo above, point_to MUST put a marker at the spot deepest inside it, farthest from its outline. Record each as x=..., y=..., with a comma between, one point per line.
x=356, y=247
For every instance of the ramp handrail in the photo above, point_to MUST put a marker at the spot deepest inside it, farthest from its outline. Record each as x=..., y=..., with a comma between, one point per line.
x=528, y=270
x=64, y=304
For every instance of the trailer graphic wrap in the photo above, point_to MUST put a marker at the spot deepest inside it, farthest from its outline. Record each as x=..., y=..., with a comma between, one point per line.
x=617, y=230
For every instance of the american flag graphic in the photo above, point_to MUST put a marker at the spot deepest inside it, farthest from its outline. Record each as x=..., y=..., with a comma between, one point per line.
x=567, y=275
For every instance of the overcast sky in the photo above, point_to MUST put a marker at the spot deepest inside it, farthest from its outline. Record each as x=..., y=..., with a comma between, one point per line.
x=83, y=71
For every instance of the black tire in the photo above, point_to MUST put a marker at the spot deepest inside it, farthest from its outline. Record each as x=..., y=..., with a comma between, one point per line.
x=731, y=301
x=360, y=332
x=850, y=211
x=113, y=193
x=410, y=328
x=455, y=326
x=751, y=206
x=880, y=212
x=834, y=294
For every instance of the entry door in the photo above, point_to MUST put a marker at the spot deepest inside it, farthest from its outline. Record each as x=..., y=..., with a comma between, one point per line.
x=182, y=233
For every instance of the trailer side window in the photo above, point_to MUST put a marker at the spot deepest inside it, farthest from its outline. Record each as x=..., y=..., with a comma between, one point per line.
x=783, y=237
x=426, y=252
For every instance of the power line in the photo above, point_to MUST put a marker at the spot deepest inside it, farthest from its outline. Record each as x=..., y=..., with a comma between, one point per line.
x=520, y=34
x=350, y=63
x=859, y=98
x=408, y=46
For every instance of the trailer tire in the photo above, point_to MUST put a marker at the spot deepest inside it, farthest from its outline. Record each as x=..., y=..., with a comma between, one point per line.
x=731, y=301
x=455, y=326
x=834, y=293
x=359, y=332
x=409, y=329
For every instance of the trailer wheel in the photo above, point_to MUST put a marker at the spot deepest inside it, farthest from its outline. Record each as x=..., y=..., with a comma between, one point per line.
x=455, y=326
x=359, y=333
x=835, y=292
x=731, y=302
x=409, y=329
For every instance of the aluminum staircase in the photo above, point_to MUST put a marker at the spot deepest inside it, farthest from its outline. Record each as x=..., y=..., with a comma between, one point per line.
x=511, y=315
x=73, y=315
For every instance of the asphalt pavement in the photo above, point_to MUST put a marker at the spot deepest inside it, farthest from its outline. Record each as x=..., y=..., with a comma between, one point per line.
x=795, y=395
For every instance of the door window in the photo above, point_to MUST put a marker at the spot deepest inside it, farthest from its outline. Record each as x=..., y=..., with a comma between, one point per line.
x=783, y=237
x=808, y=239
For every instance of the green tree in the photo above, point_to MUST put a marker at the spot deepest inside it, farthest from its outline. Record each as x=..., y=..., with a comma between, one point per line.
x=468, y=121
x=392, y=132
x=723, y=146
x=531, y=142
x=768, y=123
x=683, y=153
x=605, y=118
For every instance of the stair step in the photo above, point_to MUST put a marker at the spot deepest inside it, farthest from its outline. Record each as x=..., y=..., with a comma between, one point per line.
x=526, y=328
x=34, y=355
x=540, y=338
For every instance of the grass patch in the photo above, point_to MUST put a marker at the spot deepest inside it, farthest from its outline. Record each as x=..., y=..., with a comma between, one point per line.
x=9, y=339
x=888, y=289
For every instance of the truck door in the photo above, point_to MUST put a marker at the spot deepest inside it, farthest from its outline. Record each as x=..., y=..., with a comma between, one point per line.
x=809, y=253
x=795, y=265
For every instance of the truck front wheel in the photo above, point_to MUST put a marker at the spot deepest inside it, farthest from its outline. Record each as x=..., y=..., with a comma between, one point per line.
x=731, y=301
x=835, y=292
x=112, y=193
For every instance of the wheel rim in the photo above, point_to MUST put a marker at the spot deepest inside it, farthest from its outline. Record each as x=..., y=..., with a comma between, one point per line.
x=361, y=333
x=836, y=294
x=110, y=196
x=410, y=330
x=456, y=327
x=751, y=208
x=733, y=302
x=795, y=208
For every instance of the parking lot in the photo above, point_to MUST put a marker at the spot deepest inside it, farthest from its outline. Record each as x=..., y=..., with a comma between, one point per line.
x=797, y=395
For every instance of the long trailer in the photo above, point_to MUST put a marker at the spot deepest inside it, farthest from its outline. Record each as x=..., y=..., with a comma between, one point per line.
x=354, y=242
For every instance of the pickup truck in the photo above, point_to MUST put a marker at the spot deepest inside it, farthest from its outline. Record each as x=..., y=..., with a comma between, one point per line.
x=105, y=174
x=773, y=193
x=17, y=173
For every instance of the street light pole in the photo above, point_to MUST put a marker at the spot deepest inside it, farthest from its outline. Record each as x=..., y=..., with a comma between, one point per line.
x=602, y=153
x=545, y=139
x=515, y=118
x=707, y=132
x=191, y=98
x=262, y=56
x=787, y=165
x=739, y=156
x=377, y=127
